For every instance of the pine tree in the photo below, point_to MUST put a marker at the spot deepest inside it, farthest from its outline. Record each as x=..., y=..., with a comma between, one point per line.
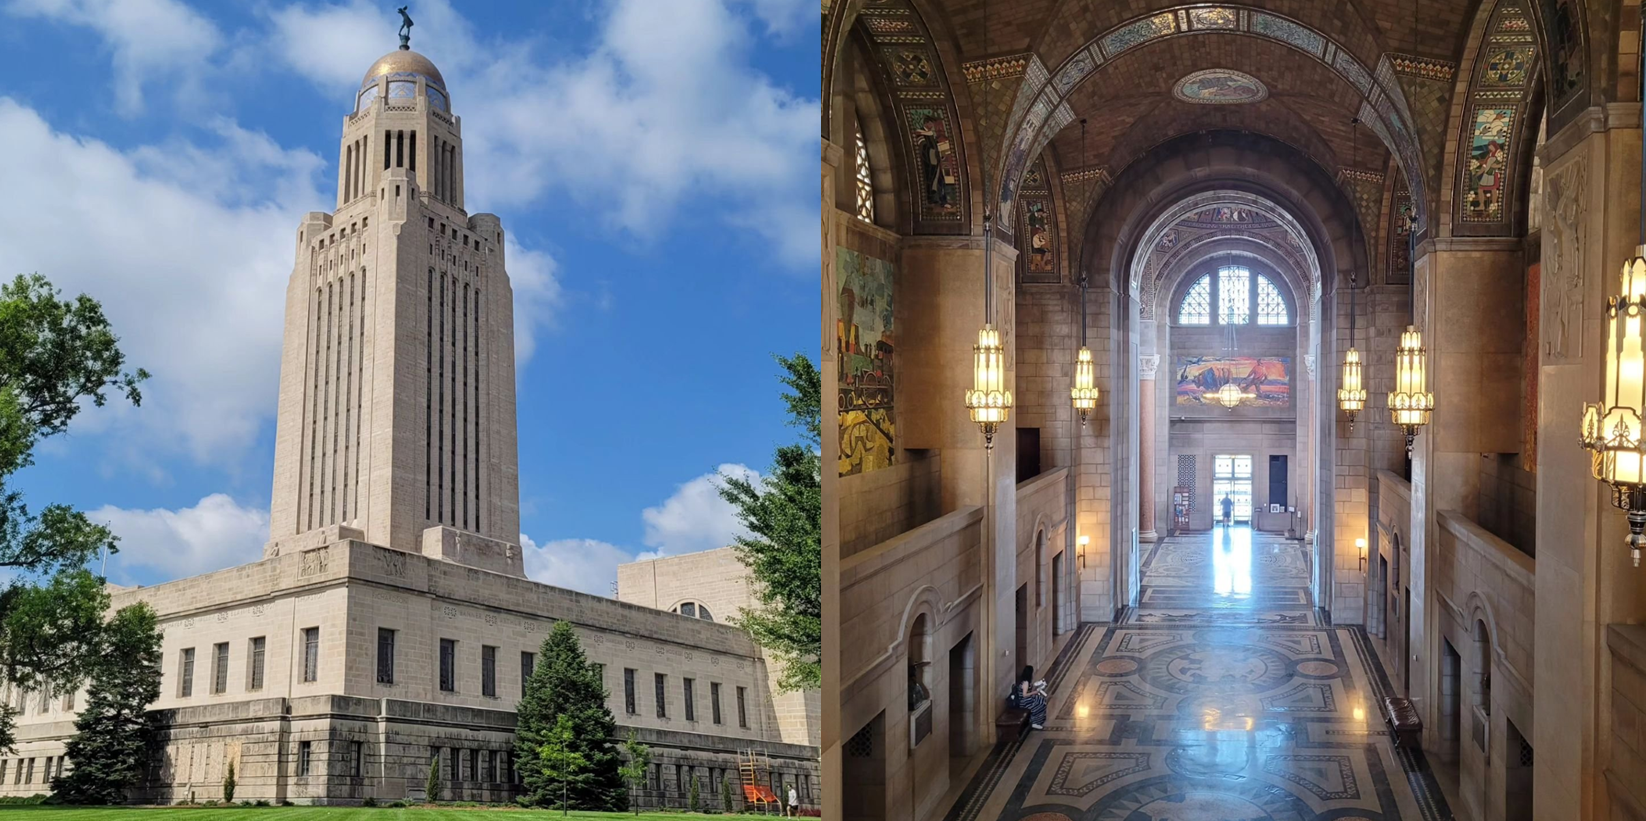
x=114, y=733
x=695, y=797
x=784, y=551
x=431, y=787
x=228, y=785
x=726, y=794
x=565, y=683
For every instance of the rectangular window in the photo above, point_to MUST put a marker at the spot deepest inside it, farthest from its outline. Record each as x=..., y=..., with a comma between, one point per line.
x=714, y=700
x=628, y=691
x=311, y=653
x=448, y=665
x=528, y=662
x=385, y=656
x=474, y=764
x=357, y=754
x=220, y=668
x=254, y=674
x=305, y=752
x=185, y=673
x=742, y=709
x=455, y=765
x=487, y=773
x=3, y=762
x=662, y=694
x=29, y=779
x=691, y=703
x=488, y=671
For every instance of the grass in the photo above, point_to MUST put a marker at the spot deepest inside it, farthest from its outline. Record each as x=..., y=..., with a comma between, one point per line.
x=38, y=812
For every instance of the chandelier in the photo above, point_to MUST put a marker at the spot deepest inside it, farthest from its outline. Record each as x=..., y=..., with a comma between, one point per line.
x=1084, y=393
x=1612, y=428
x=1410, y=404
x=988, y=401
x=1351, y=397
x=1229, y=396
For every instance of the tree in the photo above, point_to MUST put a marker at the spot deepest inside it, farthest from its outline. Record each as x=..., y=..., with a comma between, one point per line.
x=57, y=356
x=784, y=551
x=566, y=684
x=694, y=797
x=638, y=757
x=115, y=731
x=431, y=787
x=228, y=785
x=562, y=763
x=725, y=794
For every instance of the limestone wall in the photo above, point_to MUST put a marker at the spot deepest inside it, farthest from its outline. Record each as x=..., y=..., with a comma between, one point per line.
x=880, y=504
x=1043, y=565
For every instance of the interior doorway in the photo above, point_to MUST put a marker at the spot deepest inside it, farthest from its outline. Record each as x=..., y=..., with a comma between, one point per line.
x=863, y=766
x=1451, y=712
x=1057, y=593
x=962, y=702
x=1232, y=477
x=1517, y=774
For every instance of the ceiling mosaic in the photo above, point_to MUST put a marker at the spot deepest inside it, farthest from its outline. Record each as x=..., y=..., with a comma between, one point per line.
x=1220, y=86
x=1497, y=116
x=1183, y=234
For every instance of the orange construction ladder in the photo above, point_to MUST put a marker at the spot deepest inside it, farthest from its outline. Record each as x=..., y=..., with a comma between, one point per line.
x=750, y=768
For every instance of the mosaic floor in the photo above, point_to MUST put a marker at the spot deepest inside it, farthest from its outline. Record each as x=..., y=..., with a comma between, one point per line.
x=1222, y=697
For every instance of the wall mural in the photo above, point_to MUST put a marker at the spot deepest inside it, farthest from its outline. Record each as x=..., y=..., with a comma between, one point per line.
x=1487, y=167
x=1399, y=233
x=1220, y=86
x=864, y=343
x=1563, y=38
x=935, y=158
x=1499, y=105
x=1269, y=378
x=1037, y=241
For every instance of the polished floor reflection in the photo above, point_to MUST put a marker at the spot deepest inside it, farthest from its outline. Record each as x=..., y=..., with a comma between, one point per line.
x=1221, y=697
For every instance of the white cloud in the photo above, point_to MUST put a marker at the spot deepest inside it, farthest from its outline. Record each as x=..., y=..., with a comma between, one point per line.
x=214, y=534
x=588, y=565
x=662, y=110
x=695, y=517
x=150, y=40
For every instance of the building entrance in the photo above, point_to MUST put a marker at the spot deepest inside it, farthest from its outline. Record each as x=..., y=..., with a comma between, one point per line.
x=1232, y=477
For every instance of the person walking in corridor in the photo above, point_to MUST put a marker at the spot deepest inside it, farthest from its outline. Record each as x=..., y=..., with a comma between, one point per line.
x=1228, y=510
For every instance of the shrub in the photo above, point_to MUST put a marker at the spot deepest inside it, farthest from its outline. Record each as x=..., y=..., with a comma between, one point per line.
x=228, y=785
x=369, y=802
x=432, y=787
x=694, y=797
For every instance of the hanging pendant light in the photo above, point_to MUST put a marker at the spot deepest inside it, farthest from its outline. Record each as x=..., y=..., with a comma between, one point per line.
x=989, y=402
x=1229, y=396
x=1410, y=404
x=1612, y=427
x=1084, y=393
x=1351, y=397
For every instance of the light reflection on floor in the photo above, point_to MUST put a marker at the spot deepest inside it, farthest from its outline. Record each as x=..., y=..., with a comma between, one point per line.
x=1221, y=697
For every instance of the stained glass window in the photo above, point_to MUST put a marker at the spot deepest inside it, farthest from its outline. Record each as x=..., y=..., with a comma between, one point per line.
x=1271, y=309
x=1234, y=296
x=1196, y=307
x=865, y=185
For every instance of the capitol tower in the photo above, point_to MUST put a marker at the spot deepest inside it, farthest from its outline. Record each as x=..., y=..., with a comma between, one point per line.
x=397, y=398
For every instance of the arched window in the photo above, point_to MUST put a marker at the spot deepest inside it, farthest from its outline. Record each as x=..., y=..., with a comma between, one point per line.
x=865, y=183
x=1271, y=308
x=1196, y=308
x=693, y=609
x=1234, y=289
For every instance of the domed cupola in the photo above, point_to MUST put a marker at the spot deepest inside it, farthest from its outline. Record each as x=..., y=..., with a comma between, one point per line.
x=395, y=76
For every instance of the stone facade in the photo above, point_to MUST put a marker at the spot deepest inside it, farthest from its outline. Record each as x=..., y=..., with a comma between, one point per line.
x=390, y=620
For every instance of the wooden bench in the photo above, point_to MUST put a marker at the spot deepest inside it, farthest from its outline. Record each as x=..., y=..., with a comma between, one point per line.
x=1404, y=722
x=1011, y=725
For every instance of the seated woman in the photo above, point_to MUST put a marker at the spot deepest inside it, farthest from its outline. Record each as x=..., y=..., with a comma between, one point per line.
x=1030, y=695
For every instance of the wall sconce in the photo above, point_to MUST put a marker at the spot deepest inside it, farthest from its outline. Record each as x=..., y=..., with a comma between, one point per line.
x=1080, y=549
x=1360, y=545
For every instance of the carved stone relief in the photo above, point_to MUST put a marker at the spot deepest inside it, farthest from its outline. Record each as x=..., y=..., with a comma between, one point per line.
x=1565, y=208
x=1146, y=366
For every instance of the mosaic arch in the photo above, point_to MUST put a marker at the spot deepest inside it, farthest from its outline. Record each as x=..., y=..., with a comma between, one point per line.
x=1037, y=238
x=1383, y=107
x=1220, y=86
x=921, y=105
x=1195, y=221
x=1498, y=117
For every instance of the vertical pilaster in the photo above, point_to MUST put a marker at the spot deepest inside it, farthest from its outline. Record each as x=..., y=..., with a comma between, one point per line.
x=830, y=366
x=1147, y=364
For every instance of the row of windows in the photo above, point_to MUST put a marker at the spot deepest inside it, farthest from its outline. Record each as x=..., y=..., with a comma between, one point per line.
x=20, y=699
x=1232, y=290
x=353, y=763
x=688, y=692
x=23, y=771
x=255, y=652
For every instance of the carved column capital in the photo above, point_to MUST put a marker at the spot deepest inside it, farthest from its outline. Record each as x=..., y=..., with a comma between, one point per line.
x=1309, y=363
x=1147, y=365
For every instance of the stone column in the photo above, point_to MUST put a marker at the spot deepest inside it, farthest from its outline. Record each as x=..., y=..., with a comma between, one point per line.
x=1146, y=458
x=831, y=767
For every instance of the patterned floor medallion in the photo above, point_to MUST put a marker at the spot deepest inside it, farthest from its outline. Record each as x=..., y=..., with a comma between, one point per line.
x=1221, y=696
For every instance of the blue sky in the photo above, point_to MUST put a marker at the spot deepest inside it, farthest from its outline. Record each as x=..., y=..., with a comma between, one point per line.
x=652, y=160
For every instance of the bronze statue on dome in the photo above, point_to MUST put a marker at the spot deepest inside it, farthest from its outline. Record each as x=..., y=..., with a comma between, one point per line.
x=405, y=29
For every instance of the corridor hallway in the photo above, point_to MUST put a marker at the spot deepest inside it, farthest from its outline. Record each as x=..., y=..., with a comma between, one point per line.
x=1221, y=697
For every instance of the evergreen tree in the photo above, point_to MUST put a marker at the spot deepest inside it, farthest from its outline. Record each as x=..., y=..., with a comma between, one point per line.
x=784, y=551
x=566, y=684
x=228, y=785
x=694, y=798
x=726, y=794
x=113, y=735
x=431, y=787
x=633, y=771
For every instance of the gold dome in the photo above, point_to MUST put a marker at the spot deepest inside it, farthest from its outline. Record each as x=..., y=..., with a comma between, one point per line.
x=404, y=60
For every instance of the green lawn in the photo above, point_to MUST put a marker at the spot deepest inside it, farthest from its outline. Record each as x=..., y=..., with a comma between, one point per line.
x=55, y=813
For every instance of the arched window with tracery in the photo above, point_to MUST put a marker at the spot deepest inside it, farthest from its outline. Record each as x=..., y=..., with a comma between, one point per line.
x=1236, y=290
x=865, y=182
x=696, y=610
